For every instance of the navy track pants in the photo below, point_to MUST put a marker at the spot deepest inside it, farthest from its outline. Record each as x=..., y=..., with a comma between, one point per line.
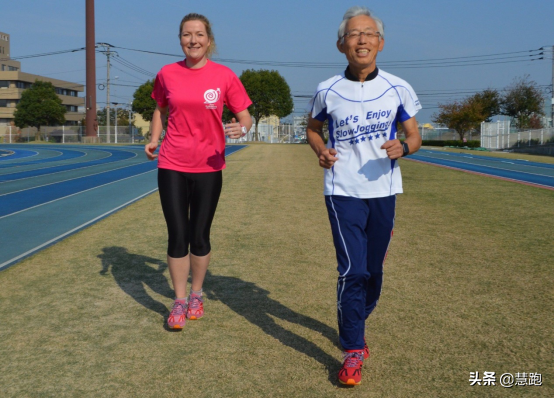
x=362, y=231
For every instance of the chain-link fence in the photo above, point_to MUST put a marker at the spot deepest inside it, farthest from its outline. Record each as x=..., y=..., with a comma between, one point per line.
x=69, y=135
x=443, y=134
x=499, y=135
x=283, y=133
x=119, y=135
x=280, y=134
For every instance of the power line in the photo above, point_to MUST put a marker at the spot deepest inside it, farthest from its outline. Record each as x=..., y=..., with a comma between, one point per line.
x=43, y=54
x=470, y=60
x=127, y=73
x=485, y=59
x=132, y=66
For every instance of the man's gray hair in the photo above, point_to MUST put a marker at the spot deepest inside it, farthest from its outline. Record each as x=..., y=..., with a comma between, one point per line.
x=354, y=12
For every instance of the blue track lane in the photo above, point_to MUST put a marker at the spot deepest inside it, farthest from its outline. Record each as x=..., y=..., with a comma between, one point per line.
x=16, y=154
x=35, y=196
x=114, y=156
x=51, y=205
x=518, y=170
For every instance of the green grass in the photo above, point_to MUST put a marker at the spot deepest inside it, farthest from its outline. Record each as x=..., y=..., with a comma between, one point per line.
x=468, y=287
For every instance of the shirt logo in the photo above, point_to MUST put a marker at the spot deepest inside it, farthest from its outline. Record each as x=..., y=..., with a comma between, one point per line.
x=211, y=96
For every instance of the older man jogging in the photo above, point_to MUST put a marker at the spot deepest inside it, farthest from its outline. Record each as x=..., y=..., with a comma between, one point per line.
x=361, y=179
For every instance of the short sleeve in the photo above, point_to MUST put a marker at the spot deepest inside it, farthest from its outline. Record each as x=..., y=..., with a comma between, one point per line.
x=159, y=91
x=236, y=97
x=317, y=106
x=410, y=103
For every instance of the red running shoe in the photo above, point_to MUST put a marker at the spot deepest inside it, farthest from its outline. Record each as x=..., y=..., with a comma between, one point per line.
x=351, y=371
x=177, y=318
x=366, y=350
x=195, y=307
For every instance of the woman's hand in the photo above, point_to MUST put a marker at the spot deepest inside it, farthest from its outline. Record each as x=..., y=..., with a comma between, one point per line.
x=233, y=130
x=149, y=149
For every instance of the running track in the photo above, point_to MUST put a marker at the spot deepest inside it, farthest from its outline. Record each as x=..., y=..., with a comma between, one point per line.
x=522, y=171
x=48, y=192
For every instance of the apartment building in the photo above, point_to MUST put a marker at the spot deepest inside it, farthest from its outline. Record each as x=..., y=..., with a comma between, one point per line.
x=13, y=82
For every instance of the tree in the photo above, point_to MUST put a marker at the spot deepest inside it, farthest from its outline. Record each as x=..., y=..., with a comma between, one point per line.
x=227, y=115
x=122, y=117
x=490, y=101
x=461, y=116
x=143, y=103
x=522, y=100
x=39, y=106
x=269, y=92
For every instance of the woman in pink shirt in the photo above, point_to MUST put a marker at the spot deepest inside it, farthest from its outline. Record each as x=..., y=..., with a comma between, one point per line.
x=191, y=94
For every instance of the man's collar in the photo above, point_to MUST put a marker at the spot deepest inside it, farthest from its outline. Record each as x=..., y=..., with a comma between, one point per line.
x=353, y=78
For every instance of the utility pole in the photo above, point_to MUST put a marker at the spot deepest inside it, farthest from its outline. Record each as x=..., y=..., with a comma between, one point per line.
x=108, y=53
x=115, y=111
x=130, y=124
x=552, y=93
x=108, y=116
x=90, y=100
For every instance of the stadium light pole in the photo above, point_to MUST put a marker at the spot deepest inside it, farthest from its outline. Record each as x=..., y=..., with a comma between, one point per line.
x=90, y=100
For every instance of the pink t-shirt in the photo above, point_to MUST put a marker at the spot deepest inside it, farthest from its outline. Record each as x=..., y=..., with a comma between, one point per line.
x=195, y=141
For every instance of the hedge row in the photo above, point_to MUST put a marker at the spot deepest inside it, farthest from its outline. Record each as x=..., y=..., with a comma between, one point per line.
x=460, y=143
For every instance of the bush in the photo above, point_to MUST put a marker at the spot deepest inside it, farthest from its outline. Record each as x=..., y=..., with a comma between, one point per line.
x=454, y=143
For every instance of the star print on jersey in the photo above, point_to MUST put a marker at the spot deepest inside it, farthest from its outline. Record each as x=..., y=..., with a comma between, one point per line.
x=368, y=138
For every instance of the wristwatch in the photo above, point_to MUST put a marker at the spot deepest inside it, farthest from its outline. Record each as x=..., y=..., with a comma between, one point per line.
x=243, y=130
x=405, y=149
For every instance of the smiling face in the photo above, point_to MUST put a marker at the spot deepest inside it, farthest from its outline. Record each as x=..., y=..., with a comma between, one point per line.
x=361, y=52
x=195, y=41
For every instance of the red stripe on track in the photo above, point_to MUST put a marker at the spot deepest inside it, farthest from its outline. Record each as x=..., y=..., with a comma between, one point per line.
x=484, y=174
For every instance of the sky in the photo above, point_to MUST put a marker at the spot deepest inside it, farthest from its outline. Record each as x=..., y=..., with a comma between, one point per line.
x=445, y=50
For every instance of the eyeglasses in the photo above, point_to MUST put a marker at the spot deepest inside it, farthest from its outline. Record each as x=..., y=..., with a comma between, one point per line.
x=356, y=35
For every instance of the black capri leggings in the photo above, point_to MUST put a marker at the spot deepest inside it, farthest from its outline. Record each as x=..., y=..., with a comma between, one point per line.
x=189, y=201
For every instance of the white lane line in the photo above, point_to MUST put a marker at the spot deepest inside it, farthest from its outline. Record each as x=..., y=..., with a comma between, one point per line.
x=491, y=167
x=65, y=171
x=505, y=161
x=67, y=164
x=71, y=179
x=76, y=193
x=480, y=158
x=51, y=166
x=74, y=229
x=30, y=150
x=488, y=175
x=47, y=166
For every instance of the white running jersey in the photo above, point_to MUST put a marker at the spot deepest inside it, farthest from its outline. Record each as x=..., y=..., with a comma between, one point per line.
x=362, y=117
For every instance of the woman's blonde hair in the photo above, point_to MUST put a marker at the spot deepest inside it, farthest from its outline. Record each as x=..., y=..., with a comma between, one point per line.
x=199, y=17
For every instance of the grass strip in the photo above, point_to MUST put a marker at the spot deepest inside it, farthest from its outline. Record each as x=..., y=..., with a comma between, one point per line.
x=467, y=288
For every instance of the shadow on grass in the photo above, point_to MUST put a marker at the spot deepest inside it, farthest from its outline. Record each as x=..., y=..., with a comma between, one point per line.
x=253, y=303
x=132, y=272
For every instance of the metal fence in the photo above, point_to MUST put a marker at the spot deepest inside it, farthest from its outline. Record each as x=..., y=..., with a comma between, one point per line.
x=69, y=134
x=499, y=136
x=280, y=134
x=119, y=135
x=283, y=133
x=443, y=134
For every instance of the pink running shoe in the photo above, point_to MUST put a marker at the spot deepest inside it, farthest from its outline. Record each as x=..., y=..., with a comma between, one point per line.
x=177, y=318
x=366, y=350
x=195, y=307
